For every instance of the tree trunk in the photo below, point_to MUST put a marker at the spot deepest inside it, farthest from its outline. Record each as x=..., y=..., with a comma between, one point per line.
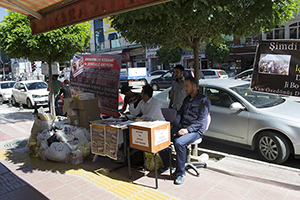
x=195, y=47
x=52, y=105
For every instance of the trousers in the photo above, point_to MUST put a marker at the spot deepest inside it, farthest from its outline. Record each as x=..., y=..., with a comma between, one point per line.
x=180, y=143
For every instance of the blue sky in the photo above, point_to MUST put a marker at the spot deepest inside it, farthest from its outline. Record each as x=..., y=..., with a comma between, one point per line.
x=2, y=13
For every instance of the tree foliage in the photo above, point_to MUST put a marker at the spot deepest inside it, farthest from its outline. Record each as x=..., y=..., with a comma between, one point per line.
x=186, y=23
x=218, y=52
x=167, y=56
x=59, y=45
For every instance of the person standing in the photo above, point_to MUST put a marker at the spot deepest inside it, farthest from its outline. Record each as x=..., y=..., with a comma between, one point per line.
x=56, y=90
x=177, y=92
x=149, y=108
x=66, y=91
x=188, y=126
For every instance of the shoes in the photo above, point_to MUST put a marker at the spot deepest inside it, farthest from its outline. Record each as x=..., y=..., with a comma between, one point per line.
x=164, y=170
x=179, y=180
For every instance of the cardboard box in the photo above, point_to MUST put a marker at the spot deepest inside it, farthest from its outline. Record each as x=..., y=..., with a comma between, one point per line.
x=149, y=136
x=85, y=116
x=72, y=112
x=74, y=120
x=83, y=104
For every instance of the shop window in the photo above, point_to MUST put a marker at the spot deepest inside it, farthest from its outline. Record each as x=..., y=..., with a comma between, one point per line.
x=294, y=30
x=115, y=40
x=276, y=33
x=99, y=35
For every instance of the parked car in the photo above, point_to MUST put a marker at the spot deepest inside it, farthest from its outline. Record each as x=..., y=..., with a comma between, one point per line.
x=166, y=80
x=154, y=74
x=249, y=119
x=6, y=89
x=214, y=73
x=245, y=75
x=30, y=92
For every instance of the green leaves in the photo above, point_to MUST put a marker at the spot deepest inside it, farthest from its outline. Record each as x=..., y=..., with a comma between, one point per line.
x=59, y=45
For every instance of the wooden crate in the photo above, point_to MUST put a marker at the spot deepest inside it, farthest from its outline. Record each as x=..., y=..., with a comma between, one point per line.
x=149, y=136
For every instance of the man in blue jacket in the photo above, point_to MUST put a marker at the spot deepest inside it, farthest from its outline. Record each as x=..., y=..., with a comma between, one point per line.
x=188, y=126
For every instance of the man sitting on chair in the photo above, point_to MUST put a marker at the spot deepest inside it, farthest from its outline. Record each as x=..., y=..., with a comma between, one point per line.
x=188, y=126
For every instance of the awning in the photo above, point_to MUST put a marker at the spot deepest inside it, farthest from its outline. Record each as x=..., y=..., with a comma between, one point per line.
x=47, y=15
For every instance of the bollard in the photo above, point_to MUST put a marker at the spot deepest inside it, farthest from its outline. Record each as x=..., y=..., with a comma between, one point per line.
x=9, y=103
x=1, y=100
x=21, y=105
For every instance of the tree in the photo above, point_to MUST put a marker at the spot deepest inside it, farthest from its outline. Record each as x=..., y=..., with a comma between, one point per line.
x=59, y=45
x=168, y=56
x=186, y=23
x=218, y=52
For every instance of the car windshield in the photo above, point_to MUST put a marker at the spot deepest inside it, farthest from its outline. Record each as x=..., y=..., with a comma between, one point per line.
x=36, y=85
x=7, y=85
x=257, y=99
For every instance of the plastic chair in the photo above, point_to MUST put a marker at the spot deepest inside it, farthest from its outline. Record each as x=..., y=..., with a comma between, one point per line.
x=192, y=153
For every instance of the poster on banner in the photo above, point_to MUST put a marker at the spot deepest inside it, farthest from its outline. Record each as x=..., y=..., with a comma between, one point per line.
x=111, y=142
x=277, y=67
x=97, y=139
x=98, y=74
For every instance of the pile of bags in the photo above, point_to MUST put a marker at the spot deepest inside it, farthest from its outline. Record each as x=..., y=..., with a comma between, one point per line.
x=58, y=141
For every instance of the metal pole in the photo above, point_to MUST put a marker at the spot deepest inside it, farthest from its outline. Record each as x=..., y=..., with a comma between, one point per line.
x=21, y=105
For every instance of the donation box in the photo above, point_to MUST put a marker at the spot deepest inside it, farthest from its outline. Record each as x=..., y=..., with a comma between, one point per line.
x=149, y=136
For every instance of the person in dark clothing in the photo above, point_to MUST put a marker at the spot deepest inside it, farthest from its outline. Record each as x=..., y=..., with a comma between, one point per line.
x=129, y=97
x=65, y=89
x=188, y=126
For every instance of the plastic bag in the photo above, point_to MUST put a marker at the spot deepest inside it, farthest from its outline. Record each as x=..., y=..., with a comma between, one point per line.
x=43, y=147
x=42, y=122
x=74, y=157
x=44, y=135
x=64, y=137
x=57, y=152
x=150, y=161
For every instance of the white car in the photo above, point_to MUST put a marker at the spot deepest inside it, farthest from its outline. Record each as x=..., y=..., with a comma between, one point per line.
x=29, y=93
x=6, y=89
x=245, y=75
x=155, y=74
x=214, y=73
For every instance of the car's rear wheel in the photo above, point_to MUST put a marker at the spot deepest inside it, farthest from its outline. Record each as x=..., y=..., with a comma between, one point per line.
x=29, y=104
x=272, y=147
x=13, y=101
x=155, y=87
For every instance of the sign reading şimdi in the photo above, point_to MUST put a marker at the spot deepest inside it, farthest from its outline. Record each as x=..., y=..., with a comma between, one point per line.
x=277, y=67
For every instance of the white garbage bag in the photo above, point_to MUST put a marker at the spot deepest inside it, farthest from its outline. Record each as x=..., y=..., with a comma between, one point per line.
x=57, y=152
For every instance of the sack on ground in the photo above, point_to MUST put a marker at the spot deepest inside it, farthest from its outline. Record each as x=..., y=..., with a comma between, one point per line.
x=74, y=157
x=43, y=147
x=44, y=135
x=42, y=121
x=57, y=152
x=150, y=165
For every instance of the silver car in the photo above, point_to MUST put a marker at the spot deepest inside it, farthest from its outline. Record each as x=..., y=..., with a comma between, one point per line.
x=251, y=119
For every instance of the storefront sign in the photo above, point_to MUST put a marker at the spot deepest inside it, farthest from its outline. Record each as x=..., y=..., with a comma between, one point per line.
x=151, y=51
x=138, y=51
x=277, y=67
x=98, y=74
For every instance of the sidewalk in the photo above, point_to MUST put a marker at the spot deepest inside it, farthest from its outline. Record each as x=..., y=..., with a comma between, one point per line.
x=226, y=177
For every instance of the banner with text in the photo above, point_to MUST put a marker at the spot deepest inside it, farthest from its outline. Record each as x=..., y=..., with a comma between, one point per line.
x=277, y=67
x=98, y=74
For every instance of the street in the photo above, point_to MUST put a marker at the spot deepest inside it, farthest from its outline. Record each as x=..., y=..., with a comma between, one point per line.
x=26, y=116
